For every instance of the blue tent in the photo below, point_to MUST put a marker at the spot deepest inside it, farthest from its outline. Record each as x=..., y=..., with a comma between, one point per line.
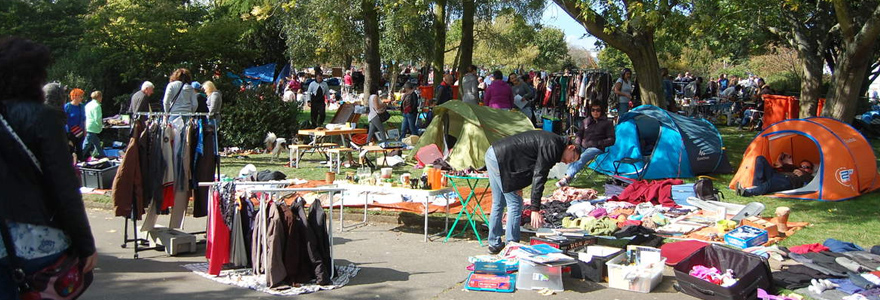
x=264, y=73
x=663, y=145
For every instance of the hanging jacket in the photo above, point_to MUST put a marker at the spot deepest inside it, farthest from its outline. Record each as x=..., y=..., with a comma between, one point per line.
x=128, y=189
x=320, y=252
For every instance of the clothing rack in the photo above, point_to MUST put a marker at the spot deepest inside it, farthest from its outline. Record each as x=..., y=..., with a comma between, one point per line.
x=274, y=193
x=141, y=243
x=150, y=114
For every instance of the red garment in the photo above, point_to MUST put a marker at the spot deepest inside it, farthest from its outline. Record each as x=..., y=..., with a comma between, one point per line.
x=808, y=248
x=167, y=197
x=217, y=250
x=656, y=192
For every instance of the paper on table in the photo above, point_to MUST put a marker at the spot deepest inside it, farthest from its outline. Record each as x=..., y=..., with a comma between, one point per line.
x=518, y=101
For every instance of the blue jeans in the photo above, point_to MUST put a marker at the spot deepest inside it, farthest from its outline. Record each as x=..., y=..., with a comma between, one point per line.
x=500, y=200
x=92, y=143
x=586, y=156
x=8, y=289
x=767, y=179
x=409, y=124
x=622, y=108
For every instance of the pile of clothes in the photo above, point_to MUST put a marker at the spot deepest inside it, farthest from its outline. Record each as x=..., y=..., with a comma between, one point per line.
x=832, y=270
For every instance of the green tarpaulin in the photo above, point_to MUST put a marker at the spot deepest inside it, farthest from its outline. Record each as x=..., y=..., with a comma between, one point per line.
x=474, y=129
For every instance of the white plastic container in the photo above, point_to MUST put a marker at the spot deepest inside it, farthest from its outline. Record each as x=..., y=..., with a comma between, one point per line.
x=640, y=278
x=536, y=277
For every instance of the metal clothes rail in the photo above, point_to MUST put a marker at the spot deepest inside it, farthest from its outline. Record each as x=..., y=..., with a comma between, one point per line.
x=275, y=193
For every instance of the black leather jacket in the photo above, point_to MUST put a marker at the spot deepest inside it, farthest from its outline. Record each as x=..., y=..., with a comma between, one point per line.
x=526, y=159
x=52, y=199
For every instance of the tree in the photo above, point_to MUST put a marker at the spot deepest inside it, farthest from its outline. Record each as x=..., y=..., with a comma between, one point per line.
x=439, y=41
x=806, y=28
x=552, y=49
x=372, y=68
x=323, y=31
x=629, y=26
x=856, y=54
x=613, y=60
x=467, y=36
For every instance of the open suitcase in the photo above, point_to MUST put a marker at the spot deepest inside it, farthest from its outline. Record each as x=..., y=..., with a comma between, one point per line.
x=752, y=270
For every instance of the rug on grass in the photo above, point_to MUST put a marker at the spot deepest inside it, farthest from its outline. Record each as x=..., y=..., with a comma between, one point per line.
x=245, y=278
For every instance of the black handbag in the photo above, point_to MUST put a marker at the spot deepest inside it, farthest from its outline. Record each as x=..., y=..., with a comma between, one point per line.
x=384, y=116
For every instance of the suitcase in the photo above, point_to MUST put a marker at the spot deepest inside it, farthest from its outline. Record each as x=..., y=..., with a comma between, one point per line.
x=753, y=272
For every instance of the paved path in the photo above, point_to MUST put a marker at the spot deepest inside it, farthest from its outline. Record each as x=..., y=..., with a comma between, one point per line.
x=395, y=264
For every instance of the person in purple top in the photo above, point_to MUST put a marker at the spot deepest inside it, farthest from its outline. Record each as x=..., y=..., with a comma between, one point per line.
x=499, y=94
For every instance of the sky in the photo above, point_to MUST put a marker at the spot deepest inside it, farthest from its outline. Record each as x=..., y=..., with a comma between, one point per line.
x=574, y=31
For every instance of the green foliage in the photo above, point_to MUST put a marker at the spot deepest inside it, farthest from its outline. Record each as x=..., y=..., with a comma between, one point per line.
x=248, y=115
x=322, y=31
x=406, y=30
x=552, y=49
x=613, y=60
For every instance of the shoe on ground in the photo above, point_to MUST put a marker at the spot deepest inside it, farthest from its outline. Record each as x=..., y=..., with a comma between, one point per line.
x=562, y=182
x=495, y=250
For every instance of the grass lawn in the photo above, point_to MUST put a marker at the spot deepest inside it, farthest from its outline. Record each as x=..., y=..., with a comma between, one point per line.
x=856, y=220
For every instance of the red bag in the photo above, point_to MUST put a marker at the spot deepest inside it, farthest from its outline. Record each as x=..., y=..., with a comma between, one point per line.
x=62, y=280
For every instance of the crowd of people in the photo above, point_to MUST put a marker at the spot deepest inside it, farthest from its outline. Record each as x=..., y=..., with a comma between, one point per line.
x=84, y=120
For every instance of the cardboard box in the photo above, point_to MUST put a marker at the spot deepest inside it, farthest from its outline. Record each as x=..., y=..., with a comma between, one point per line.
x=745, y=237
x=174, y=241
x=759, y=223
x=491, y=282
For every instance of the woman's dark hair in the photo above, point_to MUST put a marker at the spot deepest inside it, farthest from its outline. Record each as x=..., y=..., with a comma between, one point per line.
x=374, y=89
x=23, y=65
x=181, y=74
x=623, y=73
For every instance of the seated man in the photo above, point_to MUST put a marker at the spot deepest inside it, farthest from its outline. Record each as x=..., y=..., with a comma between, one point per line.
x=596, y=134
x=781, y=176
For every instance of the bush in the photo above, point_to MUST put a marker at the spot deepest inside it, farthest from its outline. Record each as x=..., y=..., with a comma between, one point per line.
x=247, y=116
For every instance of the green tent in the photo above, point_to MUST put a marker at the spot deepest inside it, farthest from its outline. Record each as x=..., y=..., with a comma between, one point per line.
x=473, y=127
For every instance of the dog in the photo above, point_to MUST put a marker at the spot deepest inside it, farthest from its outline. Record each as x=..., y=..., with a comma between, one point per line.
x=275, y=145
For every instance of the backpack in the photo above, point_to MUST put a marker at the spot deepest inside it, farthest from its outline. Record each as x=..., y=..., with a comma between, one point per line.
x=704, y=190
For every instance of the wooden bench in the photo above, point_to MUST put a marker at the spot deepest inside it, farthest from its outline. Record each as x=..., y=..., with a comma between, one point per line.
x=339, y=152
x=295, y=155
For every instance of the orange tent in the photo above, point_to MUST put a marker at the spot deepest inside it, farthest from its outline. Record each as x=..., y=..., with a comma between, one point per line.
x=845, y=165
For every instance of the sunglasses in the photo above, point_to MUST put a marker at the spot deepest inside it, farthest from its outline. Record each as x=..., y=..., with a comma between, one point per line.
x=806, y=167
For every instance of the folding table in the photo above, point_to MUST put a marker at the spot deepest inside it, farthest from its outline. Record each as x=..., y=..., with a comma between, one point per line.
x=470, y=212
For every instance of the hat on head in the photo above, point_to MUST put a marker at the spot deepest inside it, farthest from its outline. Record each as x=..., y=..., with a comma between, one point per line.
x=196, y=85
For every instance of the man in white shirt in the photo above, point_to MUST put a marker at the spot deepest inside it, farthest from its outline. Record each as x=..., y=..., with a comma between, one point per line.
x=317, y=90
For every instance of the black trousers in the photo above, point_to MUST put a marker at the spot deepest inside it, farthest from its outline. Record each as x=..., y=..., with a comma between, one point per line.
x=319, y=113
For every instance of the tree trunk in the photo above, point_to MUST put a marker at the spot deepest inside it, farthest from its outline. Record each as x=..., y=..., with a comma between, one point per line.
x=846, y=82
x=811, y=83
x=439, y=41
x=647, y=68
x=392, y=72
x=373, y=66
x=348, y=60
x=466, y=48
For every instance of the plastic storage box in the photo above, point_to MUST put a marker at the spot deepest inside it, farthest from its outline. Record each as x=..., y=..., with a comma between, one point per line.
x=98, y=178
x=639, y=278
x=491, y=282
x=536, y=277
x=746, y=236
x=591, y=263
x=680, y=193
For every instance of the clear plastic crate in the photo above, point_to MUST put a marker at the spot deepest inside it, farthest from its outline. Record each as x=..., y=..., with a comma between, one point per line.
x=639, y=278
